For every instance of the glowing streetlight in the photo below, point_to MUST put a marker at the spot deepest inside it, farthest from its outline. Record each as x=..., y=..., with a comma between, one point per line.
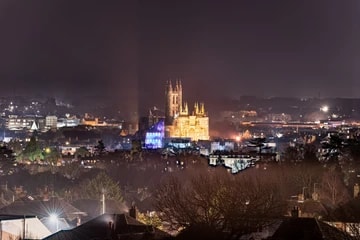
x=55, y=220
x=238, y=139
x=324, y=109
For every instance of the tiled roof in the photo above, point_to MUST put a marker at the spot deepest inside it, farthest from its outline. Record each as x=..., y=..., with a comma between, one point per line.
x=309, y=207
x=42, y=208
x=307, y=229
x=111, y=226
x=93, y=207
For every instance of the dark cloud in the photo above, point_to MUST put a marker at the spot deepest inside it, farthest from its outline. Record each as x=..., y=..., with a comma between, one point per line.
x=266, y=48
x=69, y=48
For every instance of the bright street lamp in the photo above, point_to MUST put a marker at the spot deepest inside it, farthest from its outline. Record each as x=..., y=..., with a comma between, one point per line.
x=324, y=109
x=47, y=150
x=55, y=220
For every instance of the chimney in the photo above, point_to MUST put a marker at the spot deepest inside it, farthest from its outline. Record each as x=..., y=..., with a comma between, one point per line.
x=356, y=190
x=46, y=194
x=132, y=211
x=295, y=212
x=111, y=225
x=111, y=230
x=315, y=196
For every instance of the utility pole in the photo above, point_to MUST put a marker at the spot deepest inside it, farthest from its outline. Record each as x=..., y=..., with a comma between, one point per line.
x=303, y=193
x=24, y=227
x=103, y=201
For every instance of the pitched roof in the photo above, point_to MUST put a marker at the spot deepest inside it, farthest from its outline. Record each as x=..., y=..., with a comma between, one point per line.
x=309, y=207
x=93, y=207
x=348, y=212
x=14, y=217
x=14, y=227
x=307, y=229
x=313, y=207
x=111, y=226
x=42, y=208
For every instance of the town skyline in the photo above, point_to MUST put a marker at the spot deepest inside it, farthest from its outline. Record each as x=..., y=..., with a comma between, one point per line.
x=206, y=119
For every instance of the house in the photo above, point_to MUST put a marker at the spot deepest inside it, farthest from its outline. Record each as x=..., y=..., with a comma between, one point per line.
x=22, y=227
x=346, y=217
x=307, y=229
x=66, y=214
x=93, y=207
x=111, y=226
x=308, y=208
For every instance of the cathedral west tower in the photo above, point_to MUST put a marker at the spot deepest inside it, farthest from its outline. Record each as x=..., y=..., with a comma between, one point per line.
x=173, y=101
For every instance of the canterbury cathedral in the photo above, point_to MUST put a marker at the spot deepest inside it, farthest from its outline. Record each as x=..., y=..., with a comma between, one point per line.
x=179, y=121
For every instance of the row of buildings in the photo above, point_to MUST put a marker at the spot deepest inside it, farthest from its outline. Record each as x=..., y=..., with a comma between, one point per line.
x=52, y=122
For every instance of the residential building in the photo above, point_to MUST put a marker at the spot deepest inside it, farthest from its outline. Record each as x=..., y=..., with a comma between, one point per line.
x=22, y=227
x=51, y=122
x=25, y=123
x=111, y=226
x=45, y=209
x=307, y=229
x=68, y=121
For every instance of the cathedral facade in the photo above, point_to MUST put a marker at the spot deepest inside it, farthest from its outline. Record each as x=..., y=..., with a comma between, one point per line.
x=179, y=121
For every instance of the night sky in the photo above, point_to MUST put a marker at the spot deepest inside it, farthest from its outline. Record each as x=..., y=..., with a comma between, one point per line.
x=128, y=49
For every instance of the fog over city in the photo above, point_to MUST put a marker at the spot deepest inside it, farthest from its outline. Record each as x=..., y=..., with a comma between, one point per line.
x=179, y=119
x=124, y=48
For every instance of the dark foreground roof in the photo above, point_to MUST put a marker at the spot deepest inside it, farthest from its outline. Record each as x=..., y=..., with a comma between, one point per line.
x=109, y=227
x=307, y=229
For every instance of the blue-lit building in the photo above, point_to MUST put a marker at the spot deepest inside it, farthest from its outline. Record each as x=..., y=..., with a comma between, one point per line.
x=154, y=138
x=178, y=143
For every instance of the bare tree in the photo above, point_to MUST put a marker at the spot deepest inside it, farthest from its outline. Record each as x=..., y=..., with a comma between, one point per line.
x=236, y=205
x=304, y=176
x=333, y=189
x=347, y=217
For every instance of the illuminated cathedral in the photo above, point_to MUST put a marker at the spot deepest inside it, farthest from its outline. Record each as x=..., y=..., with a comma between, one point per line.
x=179, y=121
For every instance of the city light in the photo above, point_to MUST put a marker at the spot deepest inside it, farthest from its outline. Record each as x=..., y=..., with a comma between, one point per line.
x=54, y=219
x=324, y=109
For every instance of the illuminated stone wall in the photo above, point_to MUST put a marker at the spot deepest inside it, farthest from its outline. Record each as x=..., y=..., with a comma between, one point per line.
x=180, y=123
x=194, y=127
